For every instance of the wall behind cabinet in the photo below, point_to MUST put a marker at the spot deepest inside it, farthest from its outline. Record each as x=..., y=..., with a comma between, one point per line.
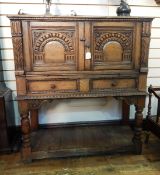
x=84, y=109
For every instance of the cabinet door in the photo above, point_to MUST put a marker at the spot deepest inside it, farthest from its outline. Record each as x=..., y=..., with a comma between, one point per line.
x=113, y=45
x=51, y=46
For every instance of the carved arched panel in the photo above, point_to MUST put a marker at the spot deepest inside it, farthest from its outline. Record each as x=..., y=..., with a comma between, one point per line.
x=112, y=45
x=54, y=49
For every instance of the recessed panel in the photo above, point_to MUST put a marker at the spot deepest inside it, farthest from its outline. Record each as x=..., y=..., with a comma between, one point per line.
x=112, y=51
x=112, y=47
x=54, y=47
x=54, y=52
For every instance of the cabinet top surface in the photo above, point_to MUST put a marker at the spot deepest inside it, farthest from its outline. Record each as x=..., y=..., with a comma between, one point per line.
x=76, y=18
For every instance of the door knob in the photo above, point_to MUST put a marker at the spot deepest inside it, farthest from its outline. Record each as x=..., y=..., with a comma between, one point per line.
x=82, y=39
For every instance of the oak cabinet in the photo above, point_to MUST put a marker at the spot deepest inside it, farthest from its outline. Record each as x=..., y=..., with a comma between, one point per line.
x=79, y=57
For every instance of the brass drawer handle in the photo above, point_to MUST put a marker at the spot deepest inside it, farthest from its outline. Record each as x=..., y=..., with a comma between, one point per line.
x=53, y=86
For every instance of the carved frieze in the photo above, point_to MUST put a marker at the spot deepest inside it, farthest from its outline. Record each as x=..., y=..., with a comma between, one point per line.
x=36, y=103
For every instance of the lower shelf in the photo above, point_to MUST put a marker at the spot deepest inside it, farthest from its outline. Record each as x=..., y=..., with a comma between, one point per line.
x=81, y=141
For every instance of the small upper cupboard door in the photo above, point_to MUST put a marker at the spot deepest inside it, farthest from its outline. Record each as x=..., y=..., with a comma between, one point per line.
x=114, y=45
x=52, y=46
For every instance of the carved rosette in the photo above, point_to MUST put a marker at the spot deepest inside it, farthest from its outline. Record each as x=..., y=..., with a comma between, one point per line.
x=40, y=39
x=145, y=43
x=123, y=38
x=17, y=44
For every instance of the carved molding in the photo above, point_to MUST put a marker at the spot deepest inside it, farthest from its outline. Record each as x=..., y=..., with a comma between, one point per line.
x=78, y=18
x=106, y=93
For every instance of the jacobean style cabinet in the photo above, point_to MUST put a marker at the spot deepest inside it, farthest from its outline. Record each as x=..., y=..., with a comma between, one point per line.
x=79, y=57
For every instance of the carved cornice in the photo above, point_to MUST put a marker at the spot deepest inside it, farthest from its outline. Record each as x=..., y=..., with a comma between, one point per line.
x=78, y=18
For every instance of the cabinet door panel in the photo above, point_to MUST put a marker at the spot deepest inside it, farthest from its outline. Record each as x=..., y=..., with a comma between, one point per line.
x=52, y=46
x=113, y=45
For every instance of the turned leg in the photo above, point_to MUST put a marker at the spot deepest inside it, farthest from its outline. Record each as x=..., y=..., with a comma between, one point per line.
x=25, y=127
x=148, y=115
x=34, y=119
x=137, y=139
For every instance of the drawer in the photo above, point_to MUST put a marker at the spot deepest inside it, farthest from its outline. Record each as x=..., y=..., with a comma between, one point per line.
x=113, y=83
x=55, y=85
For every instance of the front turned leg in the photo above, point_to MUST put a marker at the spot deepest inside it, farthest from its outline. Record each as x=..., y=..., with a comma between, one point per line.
x=25, y=128
x=137, y=138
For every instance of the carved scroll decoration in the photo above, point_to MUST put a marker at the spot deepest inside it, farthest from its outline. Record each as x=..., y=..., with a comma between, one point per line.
x=145, y=44
x=18, y=52
x=17, y=44
x=16, y=28
x=40, y=40
x=124, y=38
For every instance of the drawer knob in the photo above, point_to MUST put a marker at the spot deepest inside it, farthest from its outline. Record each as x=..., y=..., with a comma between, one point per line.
x=53, y=86
x=114, y=83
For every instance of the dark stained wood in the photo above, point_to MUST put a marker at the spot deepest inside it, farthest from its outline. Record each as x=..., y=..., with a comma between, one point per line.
x=79, y=57
x=116, y=164
x=158, y=1
x=78, y=141
x=152, y=123
x=4, y=140
x=6, y=132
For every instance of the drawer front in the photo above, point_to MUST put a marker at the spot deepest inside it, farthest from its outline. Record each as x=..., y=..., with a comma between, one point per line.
x=51, y=86
x=113, y=83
